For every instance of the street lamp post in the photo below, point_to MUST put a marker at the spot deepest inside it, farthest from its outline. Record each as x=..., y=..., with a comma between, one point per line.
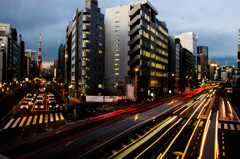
x=136, y=70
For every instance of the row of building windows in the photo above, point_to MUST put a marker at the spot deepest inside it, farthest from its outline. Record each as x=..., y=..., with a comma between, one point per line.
x=154, y=56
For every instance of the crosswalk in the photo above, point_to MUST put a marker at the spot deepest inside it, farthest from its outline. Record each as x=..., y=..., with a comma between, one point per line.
x=229, y=126
x=33, y=120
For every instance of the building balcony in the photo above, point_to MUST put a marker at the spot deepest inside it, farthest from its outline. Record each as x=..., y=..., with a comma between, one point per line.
x=84, y=72
x=86, y=18
x=85, y=36
x=86, y=27
x=84, y=63
x=85, y=45
x=84, y=54
x=132, y=61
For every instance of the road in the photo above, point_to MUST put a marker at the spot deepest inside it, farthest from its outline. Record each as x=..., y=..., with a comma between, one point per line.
x=191, y=125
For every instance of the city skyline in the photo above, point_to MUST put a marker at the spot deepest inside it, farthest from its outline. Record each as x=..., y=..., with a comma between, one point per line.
x=214, y=29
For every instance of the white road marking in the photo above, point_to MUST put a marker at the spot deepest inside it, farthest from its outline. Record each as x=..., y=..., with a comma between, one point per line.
x=29, y=120
x=61, y=116
x=22, y=122
x=56, y=117
x=35, y=120
x=51, y=117
x=46, y=118
x=16, y=122
x=131, y=139
x=41, y=119
x=9, y=123
x=123, y=145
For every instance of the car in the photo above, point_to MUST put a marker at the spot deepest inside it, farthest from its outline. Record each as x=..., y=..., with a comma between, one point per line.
x=39, y=105
x=53, y=105
x=29, y=100
x=51, y=96
x=150, y=99
x=39, y=99
x=24, y=105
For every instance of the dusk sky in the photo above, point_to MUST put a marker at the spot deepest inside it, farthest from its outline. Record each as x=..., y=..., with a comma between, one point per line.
x=215, y=22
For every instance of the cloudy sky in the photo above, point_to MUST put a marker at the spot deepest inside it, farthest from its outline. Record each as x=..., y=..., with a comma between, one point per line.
x=215, y=22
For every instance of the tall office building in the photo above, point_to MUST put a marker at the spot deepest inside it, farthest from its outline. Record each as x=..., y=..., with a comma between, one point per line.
x=135, y=38
x=202, y=53
x=61, y=64
x=87, y=50
x=9, y=54
x=174, y=49
x=238, y=51
x=31, y=63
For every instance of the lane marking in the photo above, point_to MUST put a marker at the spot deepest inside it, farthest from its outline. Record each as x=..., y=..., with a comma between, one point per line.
x=51, y=117
x=22, y=122
x=123, y=145
x=35, y=120
x=46, y=118
x=131, y=139
x=56, y=117
x=9, y=123
x=16, y=122
x=61, y=116
x=29, y=120
x=41, y=119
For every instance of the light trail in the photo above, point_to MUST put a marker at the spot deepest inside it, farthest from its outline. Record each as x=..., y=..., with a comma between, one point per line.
x=179, y=132
x=190, y=139
x=223, y=108
x=205, y=134
x=143, y=139
x=216, y=147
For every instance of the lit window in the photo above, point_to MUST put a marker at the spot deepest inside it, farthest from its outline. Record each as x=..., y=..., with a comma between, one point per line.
x=99, y=85
x=116, y=64
x=100, y=44
x=100, y=27
x=116, y=59
x=117, y=26
x=86, y=41
x=100, y=51
x=86, y=50
x=117, y=49
x=116, y=31
x=86, y=32
x=117, y=17
x=2, y=27
x=117, y=45
x=117, y=21
x=116, y=54
x=116, y=36
x=116, y=74
x=116, y=69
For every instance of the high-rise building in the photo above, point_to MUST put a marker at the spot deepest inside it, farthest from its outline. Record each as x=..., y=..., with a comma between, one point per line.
x=32, y=54
x=68, y=53
x=61, y=64
x=31, y=63
x=202, y=53
x=174, y=49
x=238, y=51
x=87, y=50
x=9, y=54
x=187, y=68
x=136, y=45
x=212, y=69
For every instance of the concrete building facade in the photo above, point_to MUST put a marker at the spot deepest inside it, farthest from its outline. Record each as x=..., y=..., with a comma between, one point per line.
x=136, y=39
x=87, y=50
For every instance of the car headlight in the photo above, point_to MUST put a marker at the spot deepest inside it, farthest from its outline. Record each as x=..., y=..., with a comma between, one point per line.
x=21, y=107
x=35, y=106
x=50, y=106
x=41, y=106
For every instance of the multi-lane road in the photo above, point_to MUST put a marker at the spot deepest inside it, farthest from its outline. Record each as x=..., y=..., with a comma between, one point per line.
x=197, y=124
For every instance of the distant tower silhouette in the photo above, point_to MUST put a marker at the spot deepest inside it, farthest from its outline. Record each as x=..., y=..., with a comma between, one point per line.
x=39, y=61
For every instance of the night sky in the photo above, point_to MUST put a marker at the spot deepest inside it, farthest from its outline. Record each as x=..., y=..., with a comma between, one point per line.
x=215, y=22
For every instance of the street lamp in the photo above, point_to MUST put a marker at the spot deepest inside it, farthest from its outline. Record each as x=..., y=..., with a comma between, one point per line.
x=136, y=70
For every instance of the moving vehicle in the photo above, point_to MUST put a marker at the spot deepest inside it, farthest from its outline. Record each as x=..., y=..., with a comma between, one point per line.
x=39, y=105
x=24, y=105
